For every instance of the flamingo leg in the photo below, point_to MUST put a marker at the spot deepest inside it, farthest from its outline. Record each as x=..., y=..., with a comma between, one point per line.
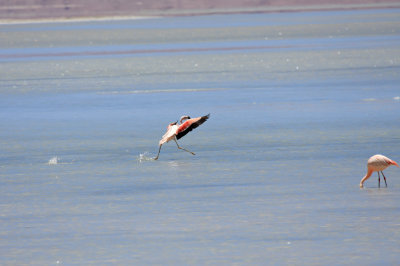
x=384, y=178
x=155, y=158
x=179, y=147
x=379, y=180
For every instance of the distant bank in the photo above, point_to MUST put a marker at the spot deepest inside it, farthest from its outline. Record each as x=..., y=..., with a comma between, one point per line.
x=24, y=10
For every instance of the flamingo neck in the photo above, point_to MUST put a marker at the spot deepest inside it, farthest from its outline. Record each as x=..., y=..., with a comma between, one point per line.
x=369, y=173
x=183, y=119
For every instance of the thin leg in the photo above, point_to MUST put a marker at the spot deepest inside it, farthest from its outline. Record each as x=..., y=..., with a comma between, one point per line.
x=158, y=153
x=183, y=148
x=379, y=180
x=384, y=178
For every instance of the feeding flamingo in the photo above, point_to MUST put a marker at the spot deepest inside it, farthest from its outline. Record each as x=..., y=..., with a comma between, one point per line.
x=176, y=131
x=377, y=163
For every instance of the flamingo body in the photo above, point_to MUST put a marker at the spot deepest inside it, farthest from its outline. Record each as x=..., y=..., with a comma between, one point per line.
x=176, y=131
x=377, y=163
x=170, y=134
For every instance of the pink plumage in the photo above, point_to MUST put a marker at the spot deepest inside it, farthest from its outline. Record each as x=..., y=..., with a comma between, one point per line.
x=377, y=163
x=176, y=131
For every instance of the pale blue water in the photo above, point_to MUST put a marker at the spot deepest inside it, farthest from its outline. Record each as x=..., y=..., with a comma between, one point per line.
x=298, y=103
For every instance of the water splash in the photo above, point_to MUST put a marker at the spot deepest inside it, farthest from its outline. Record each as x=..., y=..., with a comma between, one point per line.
x=145, y=157
x=53, y=161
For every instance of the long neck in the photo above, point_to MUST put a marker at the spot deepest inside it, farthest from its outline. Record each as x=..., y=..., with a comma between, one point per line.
x=183, y=119
x=369, y=173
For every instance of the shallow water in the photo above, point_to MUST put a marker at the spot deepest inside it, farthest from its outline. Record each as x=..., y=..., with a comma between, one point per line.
x=298, y=103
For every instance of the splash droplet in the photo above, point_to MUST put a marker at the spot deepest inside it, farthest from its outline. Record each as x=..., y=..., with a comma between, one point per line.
x=144, y=157
x=54, y=160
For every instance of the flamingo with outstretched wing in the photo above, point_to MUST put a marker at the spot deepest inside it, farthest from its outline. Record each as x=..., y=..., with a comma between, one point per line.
x=176, y=131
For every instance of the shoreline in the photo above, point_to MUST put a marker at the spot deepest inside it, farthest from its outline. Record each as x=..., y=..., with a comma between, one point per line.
x=152, y=14
x=74, y=19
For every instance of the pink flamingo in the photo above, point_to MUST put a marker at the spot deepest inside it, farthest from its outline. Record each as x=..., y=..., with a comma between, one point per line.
x=176, y=131
x=377, y=163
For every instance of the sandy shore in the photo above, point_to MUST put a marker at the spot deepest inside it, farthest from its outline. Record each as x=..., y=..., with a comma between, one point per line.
x=55, y=10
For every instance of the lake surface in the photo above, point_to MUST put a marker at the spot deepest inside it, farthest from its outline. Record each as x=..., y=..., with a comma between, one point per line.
x=298, y=103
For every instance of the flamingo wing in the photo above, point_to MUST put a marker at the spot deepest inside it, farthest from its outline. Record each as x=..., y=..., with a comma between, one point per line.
x=189, y=125
x=171, y=131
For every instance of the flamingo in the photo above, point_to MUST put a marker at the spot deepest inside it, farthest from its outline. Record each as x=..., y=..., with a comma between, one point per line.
x=377, y=163
x=176, y=131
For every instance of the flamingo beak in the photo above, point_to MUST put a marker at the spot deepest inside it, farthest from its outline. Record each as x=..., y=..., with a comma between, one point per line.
x=393, y=162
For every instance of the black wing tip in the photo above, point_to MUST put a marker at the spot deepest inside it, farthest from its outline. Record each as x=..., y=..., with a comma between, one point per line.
x=203, y=119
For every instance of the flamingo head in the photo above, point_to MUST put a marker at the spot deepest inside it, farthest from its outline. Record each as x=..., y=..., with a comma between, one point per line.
x=183, y=118
x=172, y=124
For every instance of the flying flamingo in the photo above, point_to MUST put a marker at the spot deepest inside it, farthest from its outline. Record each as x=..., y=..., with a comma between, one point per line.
x=377, y=163
x=176, y=131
